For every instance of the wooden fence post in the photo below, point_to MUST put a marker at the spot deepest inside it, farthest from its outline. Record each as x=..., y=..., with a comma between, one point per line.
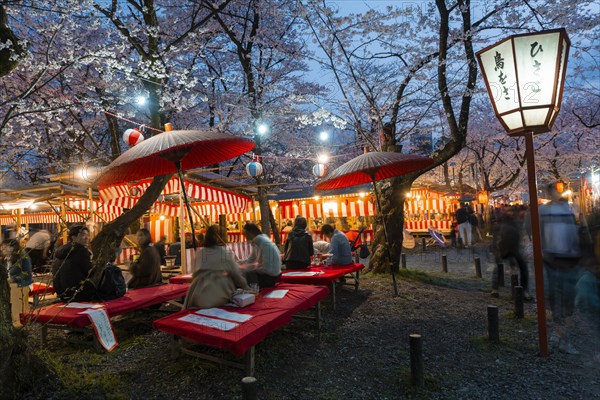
x=444, y=263
x=416, y=360
x=478, y=267
x=519, y=295
x=493, y=331
x=249, y=388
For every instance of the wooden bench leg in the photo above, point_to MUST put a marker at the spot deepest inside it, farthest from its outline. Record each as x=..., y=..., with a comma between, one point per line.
x=357, y=281
x=249, y=361
x=318, y=311
x=333, y=293
x=174, y=347
x=44, y=335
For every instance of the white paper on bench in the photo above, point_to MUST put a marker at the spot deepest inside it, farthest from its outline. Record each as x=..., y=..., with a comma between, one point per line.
x=83, y=305
x=210, y=322
x=218, y=313
x=307, y=273
x=276, y=294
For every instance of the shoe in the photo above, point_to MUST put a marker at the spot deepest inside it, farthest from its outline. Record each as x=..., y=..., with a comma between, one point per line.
x=495, y=294
x=567, y=347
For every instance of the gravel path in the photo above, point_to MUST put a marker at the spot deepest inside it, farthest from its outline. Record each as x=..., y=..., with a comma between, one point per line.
x=362, y=351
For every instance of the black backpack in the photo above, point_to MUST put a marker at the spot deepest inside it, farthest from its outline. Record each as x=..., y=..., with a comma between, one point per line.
x=364, y=251
x=112, y=284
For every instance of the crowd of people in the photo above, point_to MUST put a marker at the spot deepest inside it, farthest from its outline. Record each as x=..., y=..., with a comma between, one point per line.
x=570, y=247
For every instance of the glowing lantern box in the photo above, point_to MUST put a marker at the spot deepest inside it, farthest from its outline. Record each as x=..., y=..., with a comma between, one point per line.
x=525, y=76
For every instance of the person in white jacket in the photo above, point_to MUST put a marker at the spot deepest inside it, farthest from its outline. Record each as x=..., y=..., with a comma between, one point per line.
x=263, y=267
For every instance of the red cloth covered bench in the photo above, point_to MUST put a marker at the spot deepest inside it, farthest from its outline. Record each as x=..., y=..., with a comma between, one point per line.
x=267, y=314
x=38, y=290
x=321, y=275
x=58, y=316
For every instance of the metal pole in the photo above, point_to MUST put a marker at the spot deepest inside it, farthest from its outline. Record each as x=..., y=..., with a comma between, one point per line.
x=385, y=234
x=537, y=245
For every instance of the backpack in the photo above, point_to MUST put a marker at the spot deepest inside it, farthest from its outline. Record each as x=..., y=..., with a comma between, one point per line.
x=112, y=284
x=364, y=251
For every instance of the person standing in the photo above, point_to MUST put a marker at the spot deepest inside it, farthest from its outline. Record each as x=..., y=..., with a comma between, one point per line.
x=298, y=246
x=72, y=267
x=507, y=245
x=145, y=271
x=560, y=253
x=464, y=227
x=263, y=267
x=20, y=276
x=37, y=248
x=216, y=274
x=341, y=253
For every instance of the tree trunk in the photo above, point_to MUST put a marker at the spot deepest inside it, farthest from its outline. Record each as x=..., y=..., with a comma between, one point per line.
x=105, y=244
x=391, y=197
x=263, y=203
x=274, y=229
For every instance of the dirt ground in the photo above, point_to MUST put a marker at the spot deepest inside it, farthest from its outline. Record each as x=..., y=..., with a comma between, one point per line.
x=361, y=352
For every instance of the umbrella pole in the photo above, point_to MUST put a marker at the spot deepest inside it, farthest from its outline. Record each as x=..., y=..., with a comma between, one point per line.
x=187, y=203
x=385, y=234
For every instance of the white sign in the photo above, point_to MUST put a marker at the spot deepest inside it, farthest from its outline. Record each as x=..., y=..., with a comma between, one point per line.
x=276, y=294
x=222, y=314
x=103, y=327
x=210, y=322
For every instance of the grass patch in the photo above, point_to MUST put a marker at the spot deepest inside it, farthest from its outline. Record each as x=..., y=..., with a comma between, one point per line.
x=75, y=378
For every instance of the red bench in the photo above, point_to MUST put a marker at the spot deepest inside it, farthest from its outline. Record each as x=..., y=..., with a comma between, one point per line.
x=267, y=315
x=38, y=290
x=57, y=316
x=321, y=275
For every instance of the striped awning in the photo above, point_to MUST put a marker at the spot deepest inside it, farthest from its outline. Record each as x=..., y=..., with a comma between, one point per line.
x=125, y=196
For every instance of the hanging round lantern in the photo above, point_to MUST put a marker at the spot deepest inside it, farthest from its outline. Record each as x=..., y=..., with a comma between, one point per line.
x=133, y=137
x=134, y=192
x=319, y=170
x=254, y=169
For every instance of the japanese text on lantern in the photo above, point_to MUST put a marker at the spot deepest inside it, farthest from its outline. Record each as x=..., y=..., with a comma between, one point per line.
x=501, y=76
x=536, y=48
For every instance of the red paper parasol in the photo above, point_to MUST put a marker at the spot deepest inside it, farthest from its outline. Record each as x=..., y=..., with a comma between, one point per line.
x=372, y=167
x=163, y=153
x=174, y=151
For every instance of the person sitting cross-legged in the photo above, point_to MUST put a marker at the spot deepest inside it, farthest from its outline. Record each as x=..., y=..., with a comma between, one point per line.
x=263, y=267
x=341, y=253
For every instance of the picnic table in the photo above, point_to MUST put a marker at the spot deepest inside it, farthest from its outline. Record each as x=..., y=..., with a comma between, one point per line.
x=239, y=330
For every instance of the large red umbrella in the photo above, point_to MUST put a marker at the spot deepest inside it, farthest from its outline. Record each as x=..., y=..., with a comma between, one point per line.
x=174, y=151
x=372, y=167
x=168, y=152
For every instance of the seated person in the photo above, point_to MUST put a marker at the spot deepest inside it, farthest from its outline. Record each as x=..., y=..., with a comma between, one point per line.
x=321, y=246
x=72, y=267
x=175, y=250
x=264, y=264
x=145, y=270
x=298, y=246
x=160, y=247
x=216, y=274
x=340, y=251
x=20, y=276
x=37, y=248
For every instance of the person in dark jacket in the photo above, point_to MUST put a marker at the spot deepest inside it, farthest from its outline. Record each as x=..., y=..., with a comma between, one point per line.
x=160, y=247
x=298, y=246
x=145, y=271
x=72, y=267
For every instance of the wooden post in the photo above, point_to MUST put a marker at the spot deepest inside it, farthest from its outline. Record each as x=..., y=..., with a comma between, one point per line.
x=519, y=295
x=416, y=360
x=403, y=258
x=249, y=388
x=444, y=263
x=501, y=275
x=182, y=233
x=478, y=267
x=423, y=244
x=493, y=331
x=514, y=282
